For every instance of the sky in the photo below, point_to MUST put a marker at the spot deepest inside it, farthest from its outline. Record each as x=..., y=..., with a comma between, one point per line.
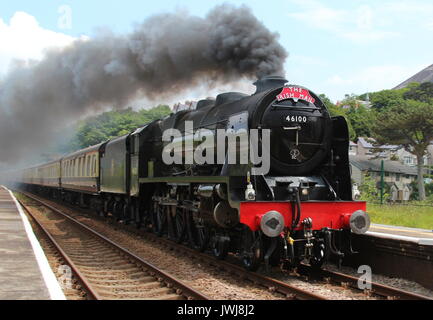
x=335, y=47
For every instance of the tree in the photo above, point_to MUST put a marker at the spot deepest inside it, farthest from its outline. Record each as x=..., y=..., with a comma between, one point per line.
x=337, y=111
x=114, y=124
x=428, y=191
x=361, y=120
x=385, y=99
x=359, y=117
x=421, y=92
x=409, y=124
x=368, y=189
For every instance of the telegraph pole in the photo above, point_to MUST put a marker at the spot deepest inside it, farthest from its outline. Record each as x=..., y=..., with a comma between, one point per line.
x=382, y=182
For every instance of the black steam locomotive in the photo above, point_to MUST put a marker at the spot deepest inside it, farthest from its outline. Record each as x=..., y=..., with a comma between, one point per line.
x=175, y=178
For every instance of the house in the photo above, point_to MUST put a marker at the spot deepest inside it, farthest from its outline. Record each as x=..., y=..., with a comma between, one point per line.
x=430, y=154
x=356, y=103
x=353, y=148
x=397, y=176
x=366, y=148
x=399, y=191
x=429, y=165
x=406, y=157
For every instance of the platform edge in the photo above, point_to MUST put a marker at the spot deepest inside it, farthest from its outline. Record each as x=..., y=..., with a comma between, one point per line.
x=54, y=289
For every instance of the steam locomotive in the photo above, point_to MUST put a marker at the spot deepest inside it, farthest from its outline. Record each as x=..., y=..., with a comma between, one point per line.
x=297, y=207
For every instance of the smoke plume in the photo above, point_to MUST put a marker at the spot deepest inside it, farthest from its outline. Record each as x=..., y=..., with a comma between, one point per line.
x=164, y=55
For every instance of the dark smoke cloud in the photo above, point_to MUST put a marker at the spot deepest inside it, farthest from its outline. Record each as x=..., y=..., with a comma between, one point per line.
x=165, y=54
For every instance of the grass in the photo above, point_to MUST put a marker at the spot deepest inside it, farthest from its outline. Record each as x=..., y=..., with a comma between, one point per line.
x=402, y=215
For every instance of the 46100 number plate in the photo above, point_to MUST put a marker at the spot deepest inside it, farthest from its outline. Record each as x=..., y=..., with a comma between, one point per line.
x=301, y=119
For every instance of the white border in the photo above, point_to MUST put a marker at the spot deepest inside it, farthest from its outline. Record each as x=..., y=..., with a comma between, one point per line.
x=420, y=241
x=50, y=279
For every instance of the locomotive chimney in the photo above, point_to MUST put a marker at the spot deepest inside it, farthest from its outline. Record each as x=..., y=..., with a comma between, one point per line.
x=269, y=82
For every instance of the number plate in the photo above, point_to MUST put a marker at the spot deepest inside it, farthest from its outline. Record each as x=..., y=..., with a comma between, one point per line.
x=298, y=119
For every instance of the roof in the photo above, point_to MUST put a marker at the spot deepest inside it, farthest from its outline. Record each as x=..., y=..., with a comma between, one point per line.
x=398, y=184
x=365, y=164
x=365, y=142
x=83, y=151
x=42, y=164
x=425, y=75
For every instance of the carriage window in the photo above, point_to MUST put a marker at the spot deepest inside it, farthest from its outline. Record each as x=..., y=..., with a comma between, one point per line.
x=95, y=166
x=83, y=166
x=92, y=160
x=91, y=166
x=88, y=166
x=80, y=172
x=80, y=167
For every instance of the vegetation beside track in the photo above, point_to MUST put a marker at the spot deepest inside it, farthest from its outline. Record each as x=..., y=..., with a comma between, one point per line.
x=414, y=214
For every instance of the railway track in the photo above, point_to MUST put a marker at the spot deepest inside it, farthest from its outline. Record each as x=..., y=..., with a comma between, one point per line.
x=387, y=292
x=327, y=276
x=274, y=285
x=105, y=270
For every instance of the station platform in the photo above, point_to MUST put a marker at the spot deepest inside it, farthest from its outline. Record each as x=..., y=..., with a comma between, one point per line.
x=25, y=273
x=419, y=236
